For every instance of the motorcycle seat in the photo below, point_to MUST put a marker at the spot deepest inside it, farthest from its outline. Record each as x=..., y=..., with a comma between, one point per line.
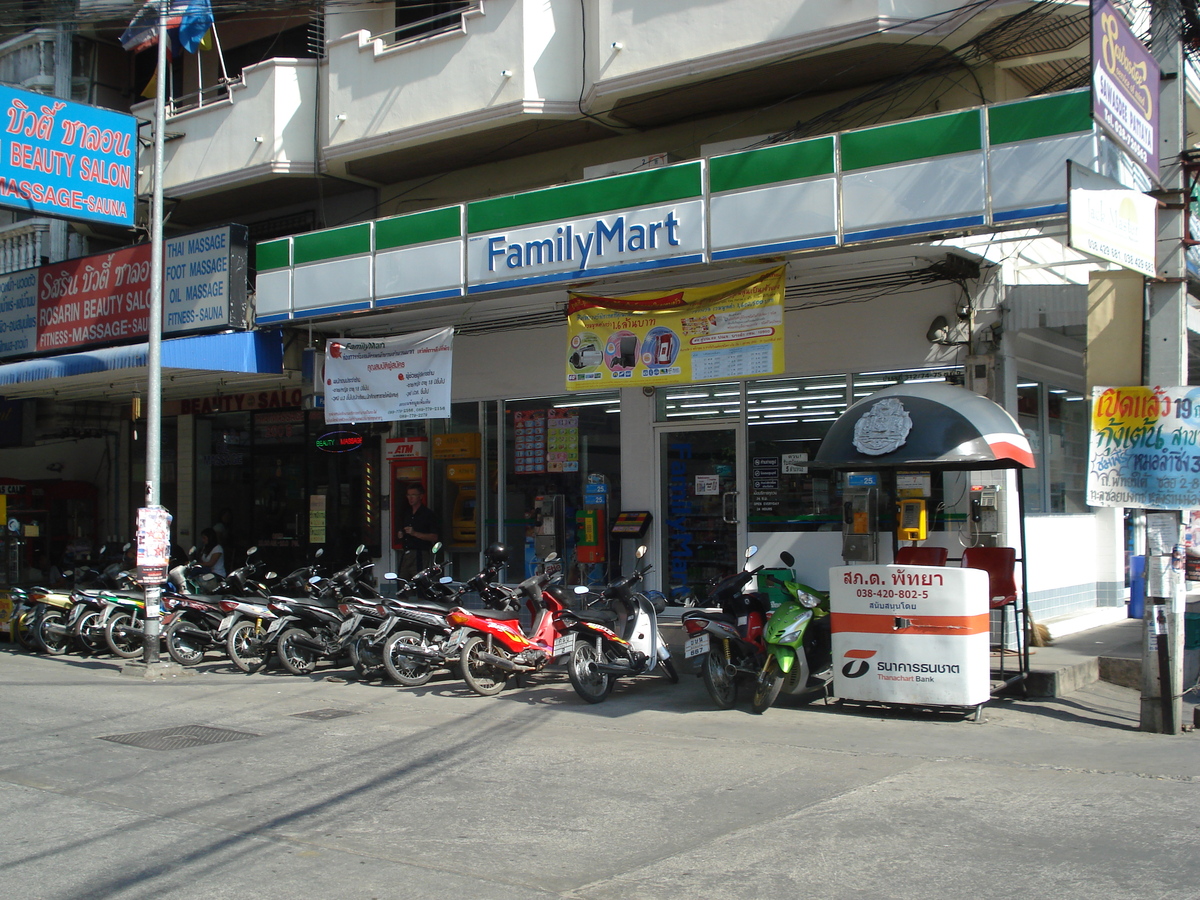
x=599, y=616
x=430, y=606
x=501, y=614
x=714, y=615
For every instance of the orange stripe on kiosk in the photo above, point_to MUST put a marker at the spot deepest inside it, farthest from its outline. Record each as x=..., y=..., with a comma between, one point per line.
x=910, y=635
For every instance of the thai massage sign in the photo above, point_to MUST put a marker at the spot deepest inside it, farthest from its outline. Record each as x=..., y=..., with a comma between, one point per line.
x=1145, y=447
x=1124, y=86
x=389, y=379
x=730, y=331
x=105, y=298
x=59, y=158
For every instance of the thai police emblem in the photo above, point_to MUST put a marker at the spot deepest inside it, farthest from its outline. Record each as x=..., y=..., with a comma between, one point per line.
x=884, y=428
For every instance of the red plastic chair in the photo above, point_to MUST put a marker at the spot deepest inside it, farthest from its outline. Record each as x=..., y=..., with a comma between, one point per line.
x=922, y=556
x=1000, y=564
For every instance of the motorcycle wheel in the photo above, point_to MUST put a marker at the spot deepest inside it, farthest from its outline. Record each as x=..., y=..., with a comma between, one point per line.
x=122, y=639
x=591, y=685
x=719, y=681
x=51, y=633
x=89, y=632
x=245, y=647
x=767, y=686
x=481, y=677
x=404, y=669
x=367, y=660
x=22, y=627
x=296, y=659
x=183, y=647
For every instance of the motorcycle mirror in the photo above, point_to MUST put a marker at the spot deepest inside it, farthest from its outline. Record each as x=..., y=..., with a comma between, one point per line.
x=127, y=546
x=316, y=579
x=788, y=559
x=390, y=576
x=251, y=552
x=551, y=557
x=360, y=549
x=751, y=550
x=581, y=588
x=320, y=552
x=445, y=579
x=436, y=547
x=192, y=550
x=271, y=576
x=641, y=551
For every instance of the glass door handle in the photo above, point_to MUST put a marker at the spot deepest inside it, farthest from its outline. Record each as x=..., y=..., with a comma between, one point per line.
x=729, y=507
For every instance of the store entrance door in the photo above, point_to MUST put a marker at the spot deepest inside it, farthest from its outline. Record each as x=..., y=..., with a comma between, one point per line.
x=700, y=508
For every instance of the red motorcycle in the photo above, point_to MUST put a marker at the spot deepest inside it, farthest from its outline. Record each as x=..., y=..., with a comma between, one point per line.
x=495, y=647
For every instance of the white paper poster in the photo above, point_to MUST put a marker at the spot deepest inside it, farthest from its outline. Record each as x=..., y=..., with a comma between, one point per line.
x=389, y=379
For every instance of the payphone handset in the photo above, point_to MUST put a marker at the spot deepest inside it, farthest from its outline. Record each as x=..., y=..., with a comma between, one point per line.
x=914, y=523
x=860, y=516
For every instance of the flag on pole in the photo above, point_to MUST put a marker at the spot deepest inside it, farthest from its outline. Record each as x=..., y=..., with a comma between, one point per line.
x=188, y=21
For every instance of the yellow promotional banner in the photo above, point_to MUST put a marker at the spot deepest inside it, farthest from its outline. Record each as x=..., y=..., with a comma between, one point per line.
x=716, y=333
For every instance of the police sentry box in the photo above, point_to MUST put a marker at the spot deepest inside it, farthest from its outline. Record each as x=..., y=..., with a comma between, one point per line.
x=914, y=635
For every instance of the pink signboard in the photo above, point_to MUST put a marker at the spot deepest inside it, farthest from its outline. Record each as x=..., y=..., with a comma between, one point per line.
x=94, y=299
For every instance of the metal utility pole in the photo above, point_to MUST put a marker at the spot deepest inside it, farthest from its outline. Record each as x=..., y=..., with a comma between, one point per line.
x=150, y=648
x=1166, y=365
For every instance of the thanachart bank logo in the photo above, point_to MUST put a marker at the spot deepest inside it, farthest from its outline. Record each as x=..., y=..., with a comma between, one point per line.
x=857, y=665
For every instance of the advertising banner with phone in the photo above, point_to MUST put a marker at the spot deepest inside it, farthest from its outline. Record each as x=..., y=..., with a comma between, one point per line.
x=1144, y=449
x=724, y=332
x=389, y=379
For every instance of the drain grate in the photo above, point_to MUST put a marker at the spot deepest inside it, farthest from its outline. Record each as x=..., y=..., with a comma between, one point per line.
x=323, y=714
x=178, y=738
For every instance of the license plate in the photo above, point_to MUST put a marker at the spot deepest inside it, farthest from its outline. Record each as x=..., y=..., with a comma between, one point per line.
x=696, y=646
x=565, y=644
x=223, y=628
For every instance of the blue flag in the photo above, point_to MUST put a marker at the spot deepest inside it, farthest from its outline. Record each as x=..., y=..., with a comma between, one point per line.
x=187, y=23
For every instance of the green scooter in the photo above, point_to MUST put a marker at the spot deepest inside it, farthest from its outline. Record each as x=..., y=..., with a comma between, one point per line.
x=799, y=649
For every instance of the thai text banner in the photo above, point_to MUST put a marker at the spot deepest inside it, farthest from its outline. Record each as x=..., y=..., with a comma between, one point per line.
x=59, y=158
x=1144, y=449
x=718, y=333
x=389, y=379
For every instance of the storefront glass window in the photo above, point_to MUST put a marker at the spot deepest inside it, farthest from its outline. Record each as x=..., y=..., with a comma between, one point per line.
x=562, y=462
x=1055, y=421
x=458, y=467
x=699, y=401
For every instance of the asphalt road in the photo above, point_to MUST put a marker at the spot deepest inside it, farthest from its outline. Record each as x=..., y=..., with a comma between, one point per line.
x=436, y=792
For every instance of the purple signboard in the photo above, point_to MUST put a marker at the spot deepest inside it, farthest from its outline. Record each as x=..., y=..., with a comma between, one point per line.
x=59, y=158
x=1124, y=86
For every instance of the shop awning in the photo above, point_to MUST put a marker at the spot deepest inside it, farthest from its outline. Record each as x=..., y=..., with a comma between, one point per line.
x=925, y=425
x=89, y=372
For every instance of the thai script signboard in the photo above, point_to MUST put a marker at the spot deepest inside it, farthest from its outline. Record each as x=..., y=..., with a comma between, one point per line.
x=729, y=331
x=1124, y=86
x=59, y=158
x=910, y=634
x=1144, y=449
x=105, y=298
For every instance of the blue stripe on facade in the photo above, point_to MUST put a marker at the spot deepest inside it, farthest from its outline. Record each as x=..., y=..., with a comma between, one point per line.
x=918, y=228
x=274, y=317
x=327, y=310
x=575, y=274
x=1031, y=212
x=828, y=241
x=417, y=298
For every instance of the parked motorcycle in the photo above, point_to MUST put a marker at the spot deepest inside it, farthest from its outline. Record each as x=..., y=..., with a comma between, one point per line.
x=727, y=634
x=197, y=624
x=416, y=639
x=621, y=640
x=249, y=640
x=494, y=647
x=799, y=645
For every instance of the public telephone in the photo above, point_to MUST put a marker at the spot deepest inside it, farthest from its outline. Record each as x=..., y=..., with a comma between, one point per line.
x=986, y=515
x=860, y=517
x=914, y=524
x=549, y=534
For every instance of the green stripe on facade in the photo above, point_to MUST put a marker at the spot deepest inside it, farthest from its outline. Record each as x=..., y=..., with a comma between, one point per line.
x=1042, y=117
x=771, y=165
x=272, y=255
x=318, y=245
x=573, y=201
x=418, y=228
x=905, y=141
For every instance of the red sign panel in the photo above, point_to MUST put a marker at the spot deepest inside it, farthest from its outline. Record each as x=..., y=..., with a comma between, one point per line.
x=94, y=299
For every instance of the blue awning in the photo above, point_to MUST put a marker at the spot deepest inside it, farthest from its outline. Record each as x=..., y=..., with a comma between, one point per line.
x=246, y=352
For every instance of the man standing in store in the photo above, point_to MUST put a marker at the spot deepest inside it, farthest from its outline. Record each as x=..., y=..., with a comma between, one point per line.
x=417, y=533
